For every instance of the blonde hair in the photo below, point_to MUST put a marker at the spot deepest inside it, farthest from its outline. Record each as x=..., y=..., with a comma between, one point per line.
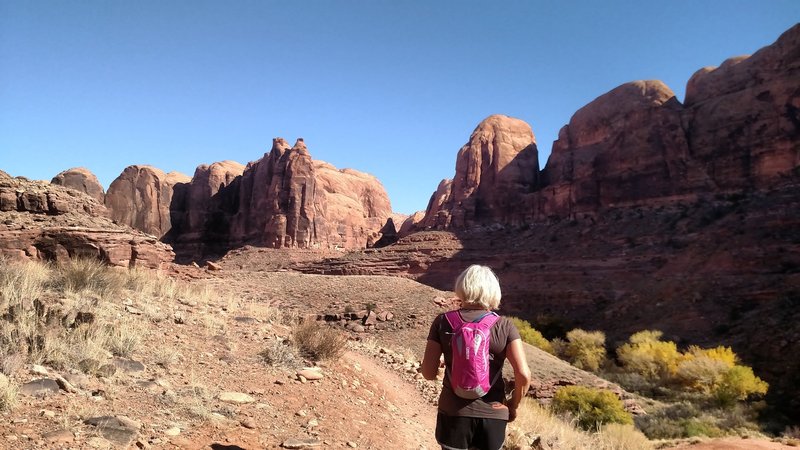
x=478, y=285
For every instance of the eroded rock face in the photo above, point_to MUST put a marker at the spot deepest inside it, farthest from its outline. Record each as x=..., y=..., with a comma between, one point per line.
x=283, y=200
x=142, y=198
x=497, y=165
x=351, y=206
x=42, y=221
x=276, y=199
x=627, y=146
x=743, y=117
x=83, y=180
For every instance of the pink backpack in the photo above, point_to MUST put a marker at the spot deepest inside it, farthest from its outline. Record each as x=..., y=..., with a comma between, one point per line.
x=469, y=376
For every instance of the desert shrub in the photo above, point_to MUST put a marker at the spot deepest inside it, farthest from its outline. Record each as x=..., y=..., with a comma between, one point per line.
x=279, y=353
x=702, y=369
x=646, y=354
x=317, y=341
x=616, y=436
x=531, y=335
x=738, y=383
x=585, y=349
x=590, y=407
x=700, y=427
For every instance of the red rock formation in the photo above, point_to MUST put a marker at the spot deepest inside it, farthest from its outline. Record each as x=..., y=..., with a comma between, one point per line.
x=498, y=164
x=83, y=180
x=411, y=223
x=351, y=207
x=625, y=147
x=142, y=197
x=743, y=118
x=51, y=222
x=276, y=199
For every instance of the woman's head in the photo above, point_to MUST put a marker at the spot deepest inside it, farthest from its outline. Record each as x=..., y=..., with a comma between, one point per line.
x=478, y=287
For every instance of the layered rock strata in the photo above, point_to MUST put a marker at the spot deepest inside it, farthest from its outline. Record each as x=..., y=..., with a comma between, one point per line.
x=42, y=221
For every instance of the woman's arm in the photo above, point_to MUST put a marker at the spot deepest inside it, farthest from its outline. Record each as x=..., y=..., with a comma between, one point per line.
x=515, y=353
x=430, y=362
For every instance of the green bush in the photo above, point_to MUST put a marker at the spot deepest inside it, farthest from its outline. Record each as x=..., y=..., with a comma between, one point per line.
x=590, y=407
x=646, y=354
x=531, y=335
x=586, y=349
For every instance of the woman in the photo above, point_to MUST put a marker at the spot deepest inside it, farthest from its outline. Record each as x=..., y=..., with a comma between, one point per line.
x=476, y=423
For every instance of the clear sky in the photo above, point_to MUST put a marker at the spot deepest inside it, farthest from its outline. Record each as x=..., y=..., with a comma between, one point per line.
x=393, y=88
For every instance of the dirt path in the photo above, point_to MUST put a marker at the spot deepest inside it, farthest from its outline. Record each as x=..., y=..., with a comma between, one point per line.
x=413, y=418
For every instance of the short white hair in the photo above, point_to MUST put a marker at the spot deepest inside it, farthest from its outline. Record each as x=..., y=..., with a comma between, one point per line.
x=478, y=285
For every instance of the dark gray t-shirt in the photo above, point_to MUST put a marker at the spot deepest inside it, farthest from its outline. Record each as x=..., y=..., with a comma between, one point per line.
x=502, y=332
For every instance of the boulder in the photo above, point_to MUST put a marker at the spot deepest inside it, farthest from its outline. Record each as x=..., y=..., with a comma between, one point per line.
x=83, y=180
x=142, y=197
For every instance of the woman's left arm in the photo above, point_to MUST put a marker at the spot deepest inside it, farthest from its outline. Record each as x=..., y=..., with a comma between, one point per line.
x=430, y=362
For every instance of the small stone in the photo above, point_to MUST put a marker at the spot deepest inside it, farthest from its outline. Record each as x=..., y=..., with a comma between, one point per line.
x=301, y=443
x=313, y=423
x=174, y=431
x=39, y=370
x=248, y=422
x=352, y=444
x=42, y=387
x=179, y=318
x=213, y=266
x=128, y=365
x=311, y=374
x=46, y=413
x=236, y=397
x=133, y=310
x=98, y=442
x=301, y=413
x=59, y=436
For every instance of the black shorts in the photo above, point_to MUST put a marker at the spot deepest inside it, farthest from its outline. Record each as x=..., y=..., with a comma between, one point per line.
x=462, y=433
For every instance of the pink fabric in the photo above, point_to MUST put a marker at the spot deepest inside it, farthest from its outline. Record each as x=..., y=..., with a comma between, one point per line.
x=469, y=374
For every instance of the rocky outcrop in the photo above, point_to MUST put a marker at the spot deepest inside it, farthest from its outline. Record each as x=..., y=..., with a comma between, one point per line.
x=351, y=206
x=625, y=147
x=44, y=221
x=276, y=199
x=743, y=117
x=19, y=194
x=83, y=180
x=142, y=198
x=494, y=168
x=283, y=200
x=411, y=223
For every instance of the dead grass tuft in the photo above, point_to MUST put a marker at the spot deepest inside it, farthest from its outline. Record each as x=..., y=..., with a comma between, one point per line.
x=8, y=393
x=317, y=341
x=279, y=353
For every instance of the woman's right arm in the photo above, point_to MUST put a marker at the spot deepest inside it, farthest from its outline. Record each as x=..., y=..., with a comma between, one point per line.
x=515, y=353
x=430, y=362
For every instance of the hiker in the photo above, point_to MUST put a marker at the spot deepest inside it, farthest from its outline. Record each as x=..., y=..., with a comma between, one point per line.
x=473, y=410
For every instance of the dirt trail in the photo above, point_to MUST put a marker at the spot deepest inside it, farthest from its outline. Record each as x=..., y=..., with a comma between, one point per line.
x=410, y=417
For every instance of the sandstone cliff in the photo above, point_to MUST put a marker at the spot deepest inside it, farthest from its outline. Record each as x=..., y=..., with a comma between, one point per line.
x=141, y=198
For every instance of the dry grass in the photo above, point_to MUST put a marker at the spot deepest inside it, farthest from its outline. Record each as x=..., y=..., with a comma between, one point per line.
x=279, y=353
x=59, y=315
x=535, y=423
x=8, y=393
x=318, y=341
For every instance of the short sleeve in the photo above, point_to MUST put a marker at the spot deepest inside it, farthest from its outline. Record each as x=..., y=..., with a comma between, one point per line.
x=433, y=334
x=513, y=333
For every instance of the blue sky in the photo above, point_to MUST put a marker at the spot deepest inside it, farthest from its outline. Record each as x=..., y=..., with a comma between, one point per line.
x=392, y=88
